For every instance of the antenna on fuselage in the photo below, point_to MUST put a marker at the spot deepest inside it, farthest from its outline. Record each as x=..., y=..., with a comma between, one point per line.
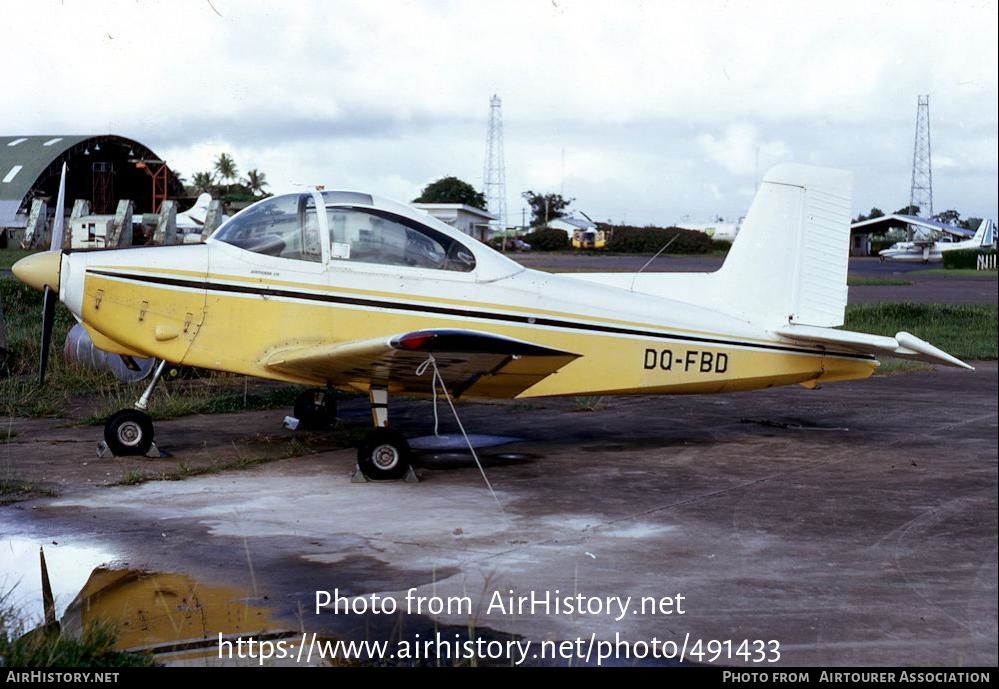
x=649, y=262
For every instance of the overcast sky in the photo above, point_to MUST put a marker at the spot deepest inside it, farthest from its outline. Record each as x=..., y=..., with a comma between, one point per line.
x=645, y=112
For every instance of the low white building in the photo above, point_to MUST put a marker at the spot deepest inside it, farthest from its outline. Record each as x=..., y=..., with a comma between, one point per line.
x=723, y=231
x=472, y=221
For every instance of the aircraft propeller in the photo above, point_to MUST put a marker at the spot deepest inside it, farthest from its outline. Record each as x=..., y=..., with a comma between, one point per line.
x=50, y=296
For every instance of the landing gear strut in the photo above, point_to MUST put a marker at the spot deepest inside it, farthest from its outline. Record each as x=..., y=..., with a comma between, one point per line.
x=130, y=431
x=316, y=409
x=384, y=454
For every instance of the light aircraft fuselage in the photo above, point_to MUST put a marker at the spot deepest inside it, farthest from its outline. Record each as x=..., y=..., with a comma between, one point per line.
x=346, y=290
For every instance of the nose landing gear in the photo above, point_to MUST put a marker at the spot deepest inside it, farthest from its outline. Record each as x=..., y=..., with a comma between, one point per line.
x=129, y=432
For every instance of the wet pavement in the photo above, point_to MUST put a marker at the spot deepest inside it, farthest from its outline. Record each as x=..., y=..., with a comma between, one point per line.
x=852, y=525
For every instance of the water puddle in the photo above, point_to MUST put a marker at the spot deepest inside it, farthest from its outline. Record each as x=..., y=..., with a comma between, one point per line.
x=175, y=618
x=456, y=441
x=69, y=564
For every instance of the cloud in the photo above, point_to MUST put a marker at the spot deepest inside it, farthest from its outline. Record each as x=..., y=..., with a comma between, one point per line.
x=639, y=94
x=741, y=151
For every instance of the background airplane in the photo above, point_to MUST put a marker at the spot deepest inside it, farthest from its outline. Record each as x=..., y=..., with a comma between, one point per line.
x=927, y=250
x=346, y=290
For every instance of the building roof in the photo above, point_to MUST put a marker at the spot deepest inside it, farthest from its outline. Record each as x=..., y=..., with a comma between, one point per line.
x=898, y=221
x=579, y=223
x=472, y=210
x=30, y=166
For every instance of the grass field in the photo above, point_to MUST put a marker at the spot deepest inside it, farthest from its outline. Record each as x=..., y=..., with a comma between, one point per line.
x=877, y=282
x=961, y=273
x=9, y=257
x=968, y=331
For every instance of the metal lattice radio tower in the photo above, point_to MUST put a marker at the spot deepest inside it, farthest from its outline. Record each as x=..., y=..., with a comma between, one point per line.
x=921, y=194
x=494, y=172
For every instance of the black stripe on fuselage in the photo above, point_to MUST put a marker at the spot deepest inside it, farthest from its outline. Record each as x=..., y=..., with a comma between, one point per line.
x=462, y=313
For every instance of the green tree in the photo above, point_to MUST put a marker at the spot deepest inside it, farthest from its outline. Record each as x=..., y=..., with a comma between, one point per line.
x=908, y=210
x=176, y=184
x=875, y=213
x=546, y=207
x=203, y=182
x=255, y=182
x=951, y=217
x=628, y=239
x=452, y=190
x=548, y=239
x=971, y=224
x=225, y=166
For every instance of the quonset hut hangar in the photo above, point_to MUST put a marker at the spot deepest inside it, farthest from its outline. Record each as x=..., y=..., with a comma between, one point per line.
x=101, y=169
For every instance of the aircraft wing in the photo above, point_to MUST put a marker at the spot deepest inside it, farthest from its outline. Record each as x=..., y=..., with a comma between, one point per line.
x=903, y=345
x=470, y=362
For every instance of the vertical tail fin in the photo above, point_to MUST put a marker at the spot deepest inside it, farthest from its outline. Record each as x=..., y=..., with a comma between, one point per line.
x=789, y=262
x=986, y=233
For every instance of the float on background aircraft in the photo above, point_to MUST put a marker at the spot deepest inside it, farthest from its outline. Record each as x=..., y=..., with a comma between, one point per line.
x=345, y=290
x=926, y=250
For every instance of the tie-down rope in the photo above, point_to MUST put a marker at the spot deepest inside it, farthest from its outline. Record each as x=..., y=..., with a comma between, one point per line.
x=435, y=379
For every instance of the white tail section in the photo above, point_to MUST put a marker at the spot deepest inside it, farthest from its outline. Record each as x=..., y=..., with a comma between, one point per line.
x=787, y=266
x=985, y=234
x=790, y=260
x=786, y=271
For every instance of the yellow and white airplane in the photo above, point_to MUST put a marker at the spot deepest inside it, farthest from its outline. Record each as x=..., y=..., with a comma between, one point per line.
x=346, y=290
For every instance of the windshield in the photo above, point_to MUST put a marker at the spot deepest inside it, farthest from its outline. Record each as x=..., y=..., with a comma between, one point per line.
x=283, y=226
x=374, y=236
x=288, y=227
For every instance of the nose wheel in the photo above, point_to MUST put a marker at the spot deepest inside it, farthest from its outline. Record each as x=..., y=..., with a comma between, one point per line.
x=129, y=432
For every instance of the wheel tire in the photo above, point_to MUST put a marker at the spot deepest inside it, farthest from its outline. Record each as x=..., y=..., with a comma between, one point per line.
x=129, y=432
x=383, y=455
x=315, y=410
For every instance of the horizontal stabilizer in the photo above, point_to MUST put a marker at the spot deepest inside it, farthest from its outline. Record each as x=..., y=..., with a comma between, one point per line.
x=904, y=345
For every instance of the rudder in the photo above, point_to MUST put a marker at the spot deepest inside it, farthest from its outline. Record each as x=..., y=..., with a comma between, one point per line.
x=789, y=263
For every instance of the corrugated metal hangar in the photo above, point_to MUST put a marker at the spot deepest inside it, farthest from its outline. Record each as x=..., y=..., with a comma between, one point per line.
x=101, y=169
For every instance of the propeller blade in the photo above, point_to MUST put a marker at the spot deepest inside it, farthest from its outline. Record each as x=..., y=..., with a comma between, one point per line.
x=60, y=213
x=49, y=299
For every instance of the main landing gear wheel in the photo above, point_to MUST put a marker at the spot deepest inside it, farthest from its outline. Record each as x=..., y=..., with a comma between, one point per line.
x=129, y=432
x=383, y=455
x=316, y=410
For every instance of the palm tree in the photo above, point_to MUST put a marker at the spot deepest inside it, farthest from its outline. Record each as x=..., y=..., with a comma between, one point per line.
x=255, y=181
x=226, y=167
x=203, y=182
